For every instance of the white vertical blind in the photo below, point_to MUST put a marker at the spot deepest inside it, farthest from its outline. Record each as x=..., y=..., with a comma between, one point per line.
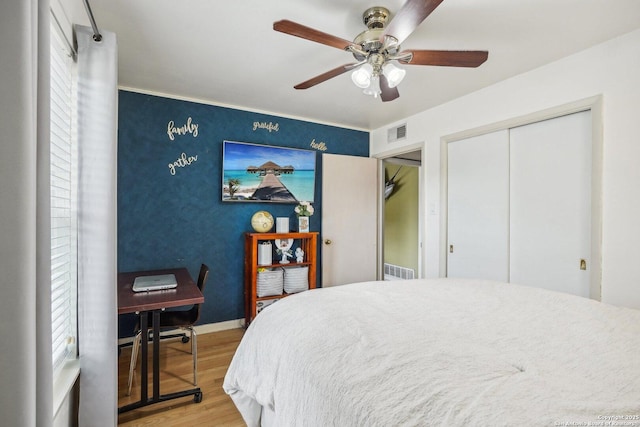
x=63, y=204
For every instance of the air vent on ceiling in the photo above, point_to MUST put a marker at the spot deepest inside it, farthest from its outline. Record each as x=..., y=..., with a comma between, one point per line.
x=397, y=133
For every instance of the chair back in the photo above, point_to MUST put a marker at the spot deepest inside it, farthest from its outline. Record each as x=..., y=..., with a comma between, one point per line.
x=203, y=276
x=194, y=313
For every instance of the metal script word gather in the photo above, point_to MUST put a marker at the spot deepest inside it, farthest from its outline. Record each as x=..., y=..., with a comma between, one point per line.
x=182, y=162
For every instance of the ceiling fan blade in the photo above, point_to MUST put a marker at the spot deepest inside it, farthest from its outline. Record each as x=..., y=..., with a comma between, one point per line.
x=298, y=30
x=387, y=93
x=447, y=58
x=412, y=13
x=325, y=76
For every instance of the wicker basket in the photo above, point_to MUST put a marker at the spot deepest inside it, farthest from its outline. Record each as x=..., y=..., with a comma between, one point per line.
x=296, y=279
x=269, y=282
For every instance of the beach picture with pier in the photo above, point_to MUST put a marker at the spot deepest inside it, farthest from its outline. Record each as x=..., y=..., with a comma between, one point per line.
x=253, y=172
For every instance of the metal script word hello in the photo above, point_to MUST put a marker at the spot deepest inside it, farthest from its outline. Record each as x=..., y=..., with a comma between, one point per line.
x=320, y=146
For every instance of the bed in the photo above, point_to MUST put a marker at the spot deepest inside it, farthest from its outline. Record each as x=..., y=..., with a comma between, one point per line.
x=440, y=352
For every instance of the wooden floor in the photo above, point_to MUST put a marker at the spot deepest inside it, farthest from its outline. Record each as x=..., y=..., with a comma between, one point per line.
x=215, y=351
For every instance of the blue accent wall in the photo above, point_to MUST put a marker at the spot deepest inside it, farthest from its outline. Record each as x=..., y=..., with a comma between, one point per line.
x=178, y=219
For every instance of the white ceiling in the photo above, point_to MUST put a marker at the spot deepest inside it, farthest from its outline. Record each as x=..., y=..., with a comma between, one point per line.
x=227, y=53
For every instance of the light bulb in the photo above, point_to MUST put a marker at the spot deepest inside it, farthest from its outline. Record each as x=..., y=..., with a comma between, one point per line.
x=362, y=76
x=393, y=74
x=374, y=87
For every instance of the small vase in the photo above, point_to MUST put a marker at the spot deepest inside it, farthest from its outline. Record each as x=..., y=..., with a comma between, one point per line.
x=282, y=225
x=303, y=224
x=264, y=253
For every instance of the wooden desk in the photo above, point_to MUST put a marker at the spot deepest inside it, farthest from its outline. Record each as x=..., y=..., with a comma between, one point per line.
x=141, y=303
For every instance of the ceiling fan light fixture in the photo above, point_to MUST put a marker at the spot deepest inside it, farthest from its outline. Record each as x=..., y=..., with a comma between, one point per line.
x=362, y=76
x=393, y=74
x=374, y=87
x=377, y=49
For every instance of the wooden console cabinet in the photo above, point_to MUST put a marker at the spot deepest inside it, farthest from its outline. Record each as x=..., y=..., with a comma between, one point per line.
x=308, y=243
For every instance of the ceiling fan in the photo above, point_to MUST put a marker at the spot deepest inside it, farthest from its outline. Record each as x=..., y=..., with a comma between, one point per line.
x=377, y=49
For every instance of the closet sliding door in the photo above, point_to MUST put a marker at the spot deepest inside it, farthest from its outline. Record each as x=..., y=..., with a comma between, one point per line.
x=478, y=207
x=519, y=205
x=550, y=204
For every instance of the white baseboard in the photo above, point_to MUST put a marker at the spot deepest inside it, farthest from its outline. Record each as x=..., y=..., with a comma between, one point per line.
x=202, y=329
x=220, y=326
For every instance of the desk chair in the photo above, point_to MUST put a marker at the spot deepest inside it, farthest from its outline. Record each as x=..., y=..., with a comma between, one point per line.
x=177, y=319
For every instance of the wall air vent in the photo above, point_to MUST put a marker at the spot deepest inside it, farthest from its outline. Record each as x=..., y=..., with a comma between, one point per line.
x=396, y=272
x=397, y=133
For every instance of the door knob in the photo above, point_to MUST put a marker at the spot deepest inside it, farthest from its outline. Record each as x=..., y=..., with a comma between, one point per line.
x=327, y=241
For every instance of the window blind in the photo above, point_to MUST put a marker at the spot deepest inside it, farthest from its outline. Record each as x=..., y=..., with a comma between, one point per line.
x=63, y=203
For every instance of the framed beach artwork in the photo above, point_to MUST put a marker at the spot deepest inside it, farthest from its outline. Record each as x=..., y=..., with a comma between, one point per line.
x=264, y=173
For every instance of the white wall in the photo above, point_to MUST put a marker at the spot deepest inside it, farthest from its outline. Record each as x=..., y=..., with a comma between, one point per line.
x=18, y=213
x=612, y=70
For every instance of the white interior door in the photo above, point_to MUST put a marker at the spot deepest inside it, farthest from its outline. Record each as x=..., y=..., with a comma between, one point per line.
x=478, y=207
x=350, y=191
x=551, y=203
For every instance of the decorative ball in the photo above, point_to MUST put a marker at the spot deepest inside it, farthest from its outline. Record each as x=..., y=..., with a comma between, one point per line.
x=262, y=221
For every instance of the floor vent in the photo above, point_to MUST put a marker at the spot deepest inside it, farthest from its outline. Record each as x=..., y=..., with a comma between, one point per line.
x=396, y=272
x=397, y=133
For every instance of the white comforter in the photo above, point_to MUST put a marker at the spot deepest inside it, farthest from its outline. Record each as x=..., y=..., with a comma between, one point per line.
x=439, y=352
